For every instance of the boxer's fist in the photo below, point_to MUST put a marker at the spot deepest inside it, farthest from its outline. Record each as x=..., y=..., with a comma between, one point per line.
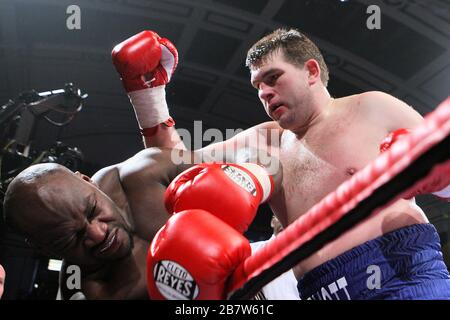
x=391, y=138
x=229, y=191
x=145, y=61
x=192, y=256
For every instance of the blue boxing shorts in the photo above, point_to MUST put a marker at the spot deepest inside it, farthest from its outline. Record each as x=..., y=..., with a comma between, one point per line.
x=403, y=264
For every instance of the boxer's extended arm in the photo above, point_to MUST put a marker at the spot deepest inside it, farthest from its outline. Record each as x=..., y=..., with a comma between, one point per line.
x=264, y=137
x=258, y=144
x=149, y=172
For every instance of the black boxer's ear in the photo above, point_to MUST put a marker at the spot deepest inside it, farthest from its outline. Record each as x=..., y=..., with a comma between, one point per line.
x=84, y=177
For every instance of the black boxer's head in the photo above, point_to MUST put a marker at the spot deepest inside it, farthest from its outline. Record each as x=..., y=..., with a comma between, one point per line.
x=65, y=214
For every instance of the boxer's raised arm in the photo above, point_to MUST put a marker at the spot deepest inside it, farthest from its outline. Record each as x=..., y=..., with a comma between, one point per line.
x=146, y=63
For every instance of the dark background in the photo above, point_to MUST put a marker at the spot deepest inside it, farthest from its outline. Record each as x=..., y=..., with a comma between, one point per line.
x=409, y=57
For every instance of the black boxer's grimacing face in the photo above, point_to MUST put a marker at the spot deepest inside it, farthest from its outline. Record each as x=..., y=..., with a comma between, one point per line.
x=76, y=221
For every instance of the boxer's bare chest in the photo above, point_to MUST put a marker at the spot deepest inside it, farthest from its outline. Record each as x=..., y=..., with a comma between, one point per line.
x=319, y=162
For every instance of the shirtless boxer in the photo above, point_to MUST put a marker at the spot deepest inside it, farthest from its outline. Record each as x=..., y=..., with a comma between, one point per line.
x=104, y=225
x=318, y=137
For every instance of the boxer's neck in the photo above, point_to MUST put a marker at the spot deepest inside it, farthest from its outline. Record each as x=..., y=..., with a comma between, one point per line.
x=320, y=103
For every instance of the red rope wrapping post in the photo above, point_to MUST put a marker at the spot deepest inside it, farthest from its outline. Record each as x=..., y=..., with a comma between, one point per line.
x=333, y=207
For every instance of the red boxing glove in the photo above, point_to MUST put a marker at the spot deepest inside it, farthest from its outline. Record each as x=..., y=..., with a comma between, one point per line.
x=437, y=184
x=146, y=63
x=391, y=138
x=192, y=256
x=231, y=192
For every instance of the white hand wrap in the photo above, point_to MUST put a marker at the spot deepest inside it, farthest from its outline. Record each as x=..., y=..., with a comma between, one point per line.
x=150, y=106
x=263, y=177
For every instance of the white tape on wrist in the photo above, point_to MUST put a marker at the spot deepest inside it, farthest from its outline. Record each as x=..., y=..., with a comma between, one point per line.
x=150, y=106
x=263, y=177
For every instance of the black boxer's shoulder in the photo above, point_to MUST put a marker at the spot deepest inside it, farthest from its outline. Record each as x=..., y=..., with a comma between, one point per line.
x=108, y=180
x=151, y=164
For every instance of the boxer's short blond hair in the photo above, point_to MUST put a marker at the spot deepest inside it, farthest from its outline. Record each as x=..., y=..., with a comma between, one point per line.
x=297, y=49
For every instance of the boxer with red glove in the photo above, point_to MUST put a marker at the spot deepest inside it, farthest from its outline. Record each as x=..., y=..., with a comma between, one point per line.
x=436, y=186
x=192, y=256
x=232, y=192
x=146, y=63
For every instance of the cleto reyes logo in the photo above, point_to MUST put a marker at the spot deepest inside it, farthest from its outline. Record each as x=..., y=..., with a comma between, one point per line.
x=174, y=282
x=241, y=178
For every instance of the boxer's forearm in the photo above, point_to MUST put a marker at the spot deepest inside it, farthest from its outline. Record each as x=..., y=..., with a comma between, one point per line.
x=270, y=162
x=166, y=137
